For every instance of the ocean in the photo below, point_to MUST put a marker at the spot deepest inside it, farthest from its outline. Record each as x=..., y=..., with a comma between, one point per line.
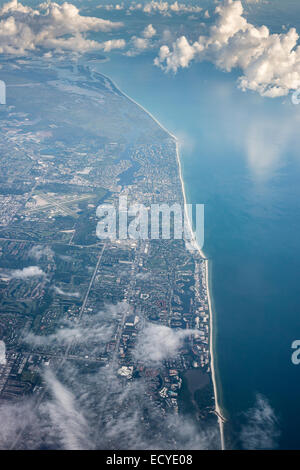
x=240, y=157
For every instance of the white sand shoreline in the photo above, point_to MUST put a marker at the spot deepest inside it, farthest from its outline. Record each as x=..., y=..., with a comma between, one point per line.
x=218, y=410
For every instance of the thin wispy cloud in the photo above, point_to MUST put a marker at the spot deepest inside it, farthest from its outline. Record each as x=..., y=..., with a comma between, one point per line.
x=60, y=291
x=65, y=416
x=40, y=251
x=91, y=333
x=154, y=7
x=26, y=273
x=79, y=410
x=261, y=430
x=96, y=411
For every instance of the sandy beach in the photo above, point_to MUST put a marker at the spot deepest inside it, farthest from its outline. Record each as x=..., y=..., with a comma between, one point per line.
x=218, y=410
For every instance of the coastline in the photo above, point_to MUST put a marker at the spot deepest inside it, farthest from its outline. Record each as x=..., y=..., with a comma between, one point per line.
x=217, y=410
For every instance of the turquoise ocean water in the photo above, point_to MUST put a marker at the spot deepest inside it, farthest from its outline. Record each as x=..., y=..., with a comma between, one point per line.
x=241, y=157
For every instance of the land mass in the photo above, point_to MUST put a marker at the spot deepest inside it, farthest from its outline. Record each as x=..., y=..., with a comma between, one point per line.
x=98, y=318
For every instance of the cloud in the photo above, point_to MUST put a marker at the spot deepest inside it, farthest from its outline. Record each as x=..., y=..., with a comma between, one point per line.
x=138, y=45
x=261, y=430
x=91, y=333
x=26, y=273
x=181, y=55
x=65, y=293
x=117, y=7
x=266, y=143
x=97, y=409
x=155, y=7
x=158, y=342
x=143, y=276
x=56, y=423
x=165, y=8
x=24, y=29
x=270, y=63
x=17, y=416
x=39, y=251
x=2, y=353
x=111, y=44
x=141, y=44
x=149, y=31
x=68, y=421
x=140, y=424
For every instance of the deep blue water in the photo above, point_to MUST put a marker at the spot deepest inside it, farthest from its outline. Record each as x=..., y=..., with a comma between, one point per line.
x=241, y=158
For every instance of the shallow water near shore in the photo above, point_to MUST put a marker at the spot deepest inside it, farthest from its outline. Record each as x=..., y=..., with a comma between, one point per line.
x=240, y=157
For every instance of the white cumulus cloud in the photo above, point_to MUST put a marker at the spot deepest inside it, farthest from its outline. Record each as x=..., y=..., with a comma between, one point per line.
x=270, y=63
x=2, y=353
x=24, y=29
x=149, y=31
